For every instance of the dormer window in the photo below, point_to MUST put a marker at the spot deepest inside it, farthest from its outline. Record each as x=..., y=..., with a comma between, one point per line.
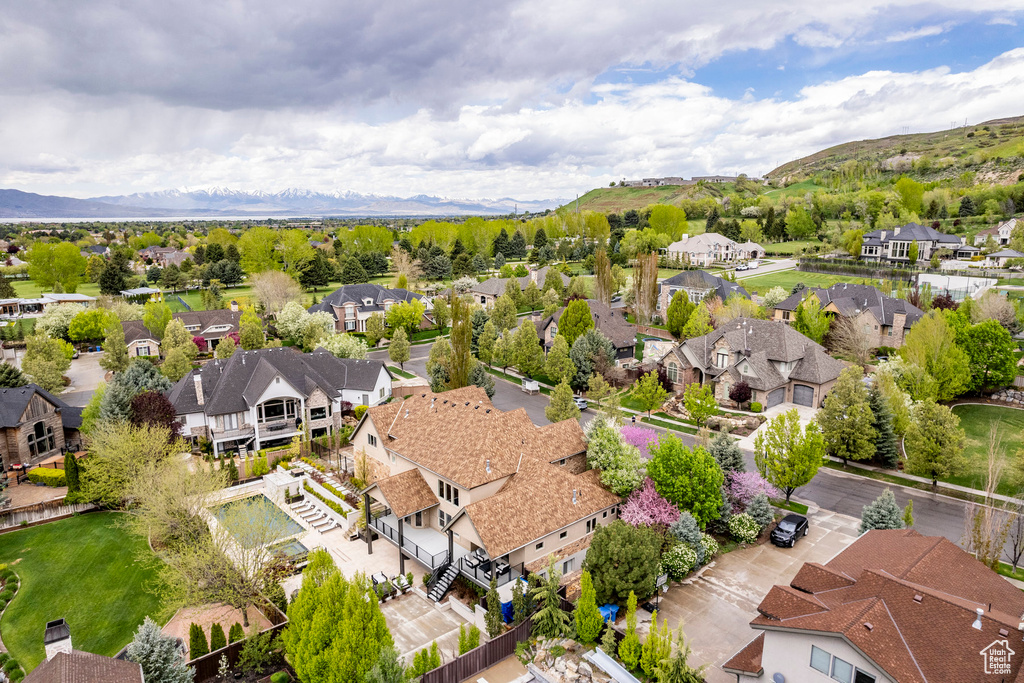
x=723, y=358
x=367, y=302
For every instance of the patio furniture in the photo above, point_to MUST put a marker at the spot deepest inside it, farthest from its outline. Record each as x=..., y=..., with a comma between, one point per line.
x=471, y=561
x=501, y=567
x=379, y=578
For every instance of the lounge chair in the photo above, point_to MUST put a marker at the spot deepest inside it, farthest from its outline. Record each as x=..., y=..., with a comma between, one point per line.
x=302, y=506
x=330, y=525
x=313, y=510
x=318, y=516
x=322, y=523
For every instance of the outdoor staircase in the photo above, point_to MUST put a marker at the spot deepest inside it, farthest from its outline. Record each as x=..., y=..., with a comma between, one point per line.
x=444, y=582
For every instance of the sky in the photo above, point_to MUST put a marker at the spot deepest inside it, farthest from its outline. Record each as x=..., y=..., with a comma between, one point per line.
x=529, y=99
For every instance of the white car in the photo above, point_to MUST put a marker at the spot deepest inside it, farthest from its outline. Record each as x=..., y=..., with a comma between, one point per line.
x=581, y=403
x=742, y=266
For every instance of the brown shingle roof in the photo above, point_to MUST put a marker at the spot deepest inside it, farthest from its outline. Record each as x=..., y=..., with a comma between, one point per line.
x=612, y=324
x=534, y=502
x=85, y=667
x=462, y=437
x=747, y=660
x=406, y=493
x=909, y=605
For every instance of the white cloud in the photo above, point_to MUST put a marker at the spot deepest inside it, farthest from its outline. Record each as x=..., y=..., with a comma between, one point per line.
x=1001, y=21
x=914, y=34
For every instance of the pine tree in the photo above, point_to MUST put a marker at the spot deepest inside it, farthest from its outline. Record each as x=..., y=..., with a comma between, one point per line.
x=519, y=603
x=630, y=648
x=197, y=645
x=233, y=476
x=235, y=633
x=883, y=513
x=551, y=620
x=353, y=272
x=494, y=621
x=761, y=510
x=608, y=642
x=588, y=617
x=158, y=656
x=71, y=472
x=657, y=647
x=11, y=377
x=886, y=448
x=686, y=530
x=217, y=637
x=6, y=288
x=727, y=453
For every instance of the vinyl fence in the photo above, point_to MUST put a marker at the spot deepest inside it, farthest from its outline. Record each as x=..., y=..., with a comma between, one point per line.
x=480, y=658
x=31, y=515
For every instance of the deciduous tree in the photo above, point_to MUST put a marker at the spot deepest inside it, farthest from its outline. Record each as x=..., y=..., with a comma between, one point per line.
x=157, y=315
x=558, y=365
x=273, y=289
x=700, y=402
x=251, y=334
x=527, y=354
x=991, y=351
x=46, y=360
x=407, y=314
x=54, y=265
x=690, y=479
x=562, y=406
x=257, y=248
x=504, y=314
x=575, y=320
x=679, y=311
x=786, y=454
x=846, y=420
x=935, y=442
x=810, y=320
x=648, y=392
x=931, y=345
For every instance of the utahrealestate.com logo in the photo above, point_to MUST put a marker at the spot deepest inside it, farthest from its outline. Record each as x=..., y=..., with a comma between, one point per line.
x=997, y=657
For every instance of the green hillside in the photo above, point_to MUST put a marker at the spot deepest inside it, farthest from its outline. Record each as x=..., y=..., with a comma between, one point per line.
x=619, y=199
x=994, y=150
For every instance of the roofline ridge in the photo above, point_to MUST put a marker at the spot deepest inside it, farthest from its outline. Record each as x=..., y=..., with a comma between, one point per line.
x=906, y=646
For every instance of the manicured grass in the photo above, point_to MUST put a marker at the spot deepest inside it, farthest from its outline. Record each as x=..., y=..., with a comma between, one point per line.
x=790, y=248
x=422, y=335
x=671, y=426
x=788, y=278
x=30, y=289
x=516, y=380
x=86, y=570
x=400, y=372
x=798, y=508
x=978, y=422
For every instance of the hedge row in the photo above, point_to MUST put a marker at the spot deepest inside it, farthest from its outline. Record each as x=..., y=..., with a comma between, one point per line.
x=330, y=503
x=48, y=476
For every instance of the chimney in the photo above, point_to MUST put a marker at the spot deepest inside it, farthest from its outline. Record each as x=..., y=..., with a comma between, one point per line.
x=977, y=620
x=56, y=638
x=234, y=306
x=199, y=388
x=896, y=230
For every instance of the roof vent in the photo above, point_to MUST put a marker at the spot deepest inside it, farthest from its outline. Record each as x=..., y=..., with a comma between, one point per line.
x=476, y=407
x=407, y=412
x=918, y=598
x=467, y=403
x=574, y=496
x=868, y=626
x=487, y=410
x=977, y=619
x=487, y=465
x=1003, y=632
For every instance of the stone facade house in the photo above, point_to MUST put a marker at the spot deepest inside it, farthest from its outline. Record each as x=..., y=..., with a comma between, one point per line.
x=485, y=293
x=697, y=284
x=352, y=305
x=885, y=320
x=1000, y=234
x=894, y=245
x=264, y=398
x=210, y=325
x=35, y=425
x=894, y=606
x=711, y=247
x=610, y=322
x=778, y=363
x=455, y=479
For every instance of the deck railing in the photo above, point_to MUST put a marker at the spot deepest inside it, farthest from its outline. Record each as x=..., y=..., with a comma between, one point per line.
x=432, y=560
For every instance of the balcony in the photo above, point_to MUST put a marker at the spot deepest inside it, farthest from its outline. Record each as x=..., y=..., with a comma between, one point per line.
x=271, y=427
x=427, y=546
x=246, y=431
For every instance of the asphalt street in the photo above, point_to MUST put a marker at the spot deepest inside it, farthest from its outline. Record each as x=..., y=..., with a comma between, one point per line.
x=830, y=490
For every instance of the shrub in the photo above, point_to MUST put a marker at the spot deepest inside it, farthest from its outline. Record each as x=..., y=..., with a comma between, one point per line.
x=359, y=411
x=260, y=467
x=10, y=665
x=280, y=677
x=48, y=476
x=710, y=546
x=235, y=633
x=744, y=528
x=329, y=503
x=16, y=676
x=755, y=407
x=678, y=561
x=197, y=643
x=761, y=510
x=217, y=637
x=7, y=595
x=3, y=658
x=687, y=531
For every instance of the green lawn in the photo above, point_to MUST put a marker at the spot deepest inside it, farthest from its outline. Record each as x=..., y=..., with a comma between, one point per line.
x=978, y=422
x=788, y=278
x=84, y=569
x=30, y=289
x=790, y=248
x=400, y=372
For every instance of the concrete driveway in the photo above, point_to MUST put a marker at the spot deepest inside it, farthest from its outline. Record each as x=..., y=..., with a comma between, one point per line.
x=85, y=374
x=716, y=608
x=804, y=413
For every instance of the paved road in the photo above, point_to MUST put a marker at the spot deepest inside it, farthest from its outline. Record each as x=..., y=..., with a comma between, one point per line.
x=830, y=490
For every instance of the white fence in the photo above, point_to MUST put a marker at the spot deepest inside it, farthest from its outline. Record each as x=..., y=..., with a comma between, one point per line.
x=40, y=512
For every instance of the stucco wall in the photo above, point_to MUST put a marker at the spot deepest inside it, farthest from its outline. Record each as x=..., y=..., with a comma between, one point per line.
x=790, y=655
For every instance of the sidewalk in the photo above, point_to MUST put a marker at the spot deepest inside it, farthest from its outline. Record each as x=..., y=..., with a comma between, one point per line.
x=925, y=480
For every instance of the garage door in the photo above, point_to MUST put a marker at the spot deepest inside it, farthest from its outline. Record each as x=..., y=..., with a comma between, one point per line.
x=803, y=395
x=776, y=397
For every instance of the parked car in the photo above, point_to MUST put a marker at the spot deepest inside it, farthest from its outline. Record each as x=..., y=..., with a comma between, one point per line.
x=581, y=403
x=753, y=264
x=788, y=530
x=741, y=266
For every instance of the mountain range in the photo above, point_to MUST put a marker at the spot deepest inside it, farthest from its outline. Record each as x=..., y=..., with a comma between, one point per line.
x=214, y=202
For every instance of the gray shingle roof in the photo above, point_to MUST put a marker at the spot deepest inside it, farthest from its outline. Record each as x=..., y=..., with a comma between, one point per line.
x=13, y=403
x=356, y=294
x=910, y=232
x=135, y=330
x=495, y=286
x=851, y=299
x=698, y=279
x=235, y=384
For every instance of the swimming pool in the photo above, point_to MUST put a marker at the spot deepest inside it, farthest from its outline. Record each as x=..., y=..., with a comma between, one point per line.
x=239, y=514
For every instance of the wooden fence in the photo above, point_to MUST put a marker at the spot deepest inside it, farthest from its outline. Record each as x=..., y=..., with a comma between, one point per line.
x=38, y=513
x=480, y=658
x=208, y=666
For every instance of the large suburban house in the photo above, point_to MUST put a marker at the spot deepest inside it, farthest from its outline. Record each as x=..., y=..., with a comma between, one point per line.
x=33, y=308
x=999, y=258
x=609, y=322
x=697, y=284
x=893, y=606
x=465, y=488
x=711, y=247
x=486, y=293
x=210, y=325
x=352, y=305
x=779, y=364
x=64, y=664
x=1000, y=234
x=884, y=319
x=894, y=245
x=264, y=398
x=35, y=425
x=164, y=256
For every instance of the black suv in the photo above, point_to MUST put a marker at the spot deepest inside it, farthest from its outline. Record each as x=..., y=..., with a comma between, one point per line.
x=790, y=528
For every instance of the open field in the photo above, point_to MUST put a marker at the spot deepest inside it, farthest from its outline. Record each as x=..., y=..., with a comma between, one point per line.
x=978, y=422
x=30, y=289
x=788, y=278
x=86, y=570
x=790, y=248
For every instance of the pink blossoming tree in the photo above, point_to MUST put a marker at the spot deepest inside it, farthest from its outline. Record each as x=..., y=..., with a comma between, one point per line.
x=639, y=437
x=743, y=486
x=646, y=506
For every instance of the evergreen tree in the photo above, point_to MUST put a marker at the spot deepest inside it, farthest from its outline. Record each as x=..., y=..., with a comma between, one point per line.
x=390, y=668
x=501, y=248
x=657, y=647
x=967, y=207
x=158, y=656
x=318, y=271
x=674, y=668
x=761, y=510
x=71, y=473
x=679, y=311
x=518, y=245
x=727, y=453
x=540, y=238
x=197, y=645
x=588, y=617
x=478, y=376
x=235, y=633
x=686, y=530
x=630, y=648
x=575, y=320
x=882, y=513
x=217, y=637
x=6, y=288
x=495, y=623
x=562, y=406
x=11, y=377
x=608, y=642
x=550, y=621
x=112, y=280
x=353, y=273
x=521, y=604
x=886, y=448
